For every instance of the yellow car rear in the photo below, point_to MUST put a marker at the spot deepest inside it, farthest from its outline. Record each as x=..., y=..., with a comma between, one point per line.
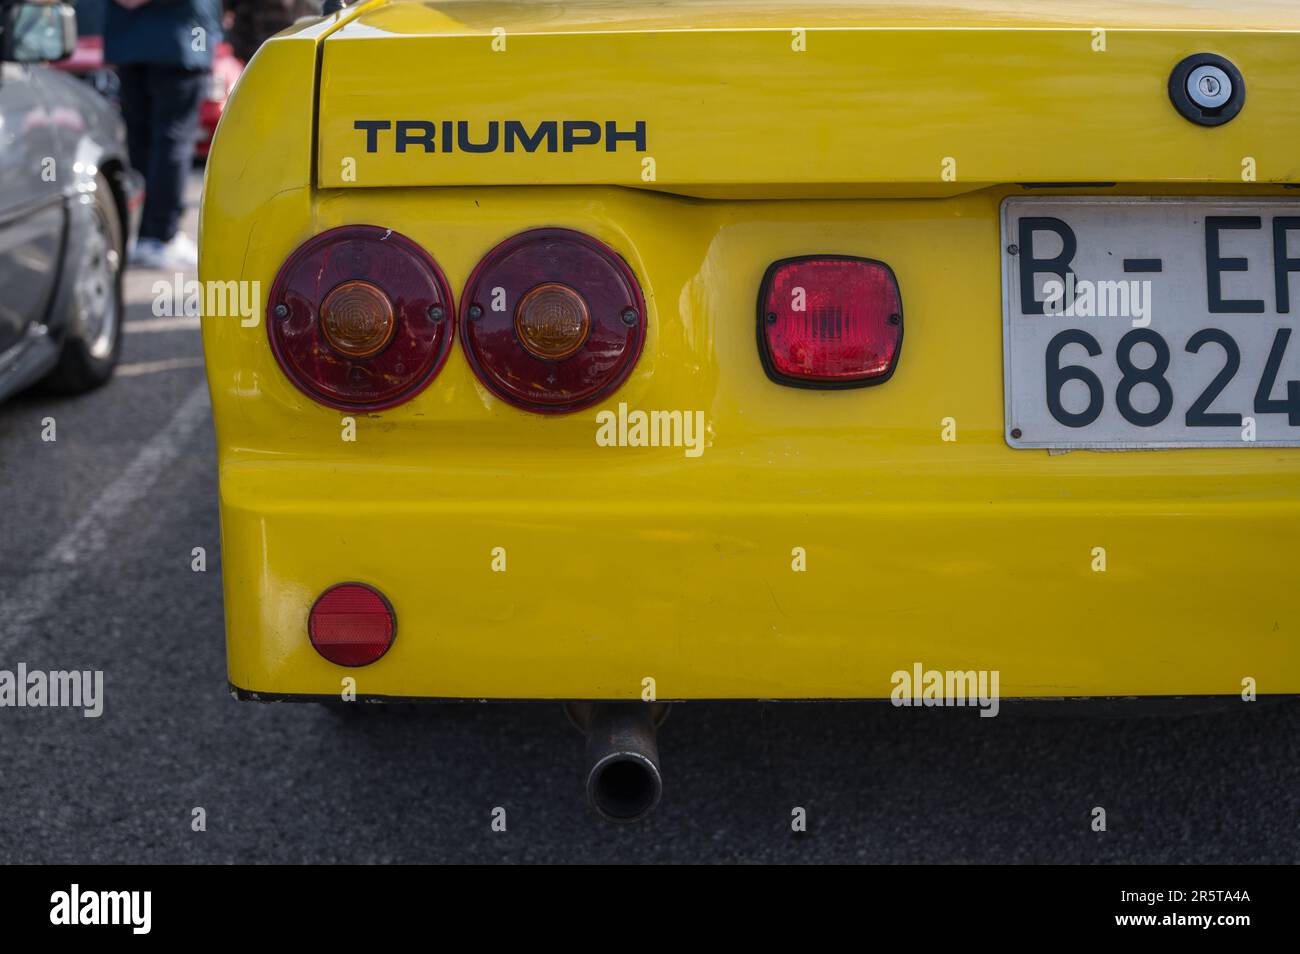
x=805, y=541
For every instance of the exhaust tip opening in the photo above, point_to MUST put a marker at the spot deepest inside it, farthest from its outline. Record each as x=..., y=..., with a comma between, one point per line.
x=624, y=786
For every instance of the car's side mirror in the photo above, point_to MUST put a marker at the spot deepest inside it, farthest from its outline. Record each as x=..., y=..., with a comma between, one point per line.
x=37, y=32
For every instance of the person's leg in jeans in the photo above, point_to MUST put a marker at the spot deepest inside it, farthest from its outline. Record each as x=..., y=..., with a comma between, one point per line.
x=174, y=97
x=134, y=90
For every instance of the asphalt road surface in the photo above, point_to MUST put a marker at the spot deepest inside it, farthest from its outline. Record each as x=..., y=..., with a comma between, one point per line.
x=95, y=573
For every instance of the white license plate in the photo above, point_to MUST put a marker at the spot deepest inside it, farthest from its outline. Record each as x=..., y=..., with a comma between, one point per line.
x=1151, y=322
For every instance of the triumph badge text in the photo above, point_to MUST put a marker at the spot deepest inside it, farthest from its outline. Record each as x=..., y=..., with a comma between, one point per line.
x=510, y=135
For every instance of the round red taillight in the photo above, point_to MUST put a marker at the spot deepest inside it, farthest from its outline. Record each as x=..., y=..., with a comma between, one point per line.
x=351, y=624
x=552, y=321
x=360, y=318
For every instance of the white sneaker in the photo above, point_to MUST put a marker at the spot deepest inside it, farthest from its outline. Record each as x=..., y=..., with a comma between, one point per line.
x=145, y=253
x=179, y=254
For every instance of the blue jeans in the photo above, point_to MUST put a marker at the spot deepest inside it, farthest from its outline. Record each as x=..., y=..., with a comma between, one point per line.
x=161, y=107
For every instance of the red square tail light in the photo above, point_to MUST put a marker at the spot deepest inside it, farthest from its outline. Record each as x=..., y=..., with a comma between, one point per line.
x=829, y=321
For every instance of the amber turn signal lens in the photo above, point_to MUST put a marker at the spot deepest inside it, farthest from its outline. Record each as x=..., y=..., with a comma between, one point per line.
x=552, y=321
x=357, y=319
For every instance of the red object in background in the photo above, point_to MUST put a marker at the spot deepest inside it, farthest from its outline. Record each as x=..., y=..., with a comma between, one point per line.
x=226, y=70
x=595, y=321
x=351, y=624
x=86, y=57
x=829, y=321
x=87, y=62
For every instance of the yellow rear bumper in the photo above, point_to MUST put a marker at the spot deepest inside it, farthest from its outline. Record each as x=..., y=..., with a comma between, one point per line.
x=699, y=595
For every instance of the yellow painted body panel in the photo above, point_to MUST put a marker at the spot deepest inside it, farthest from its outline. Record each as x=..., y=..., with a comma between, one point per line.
x=878, y=98
x=627, y=563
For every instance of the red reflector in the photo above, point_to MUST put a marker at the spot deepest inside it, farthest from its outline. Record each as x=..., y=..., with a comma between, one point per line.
x=829, y=321
x=351, y=624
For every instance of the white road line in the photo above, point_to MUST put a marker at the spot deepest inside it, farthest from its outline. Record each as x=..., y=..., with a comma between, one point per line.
x=151, y=367
x=161, y=324
x=36, y=593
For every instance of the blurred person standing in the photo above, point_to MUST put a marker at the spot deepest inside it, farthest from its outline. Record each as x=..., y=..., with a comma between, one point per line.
x=251, y=22
x=162, y=51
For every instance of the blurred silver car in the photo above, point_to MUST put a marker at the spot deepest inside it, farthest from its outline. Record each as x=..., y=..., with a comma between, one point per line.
x=69, y=203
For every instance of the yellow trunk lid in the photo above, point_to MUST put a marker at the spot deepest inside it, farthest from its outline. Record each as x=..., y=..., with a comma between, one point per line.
x=732, y=99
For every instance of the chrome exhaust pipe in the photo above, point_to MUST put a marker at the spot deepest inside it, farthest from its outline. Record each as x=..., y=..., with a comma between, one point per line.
x=623, y=779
